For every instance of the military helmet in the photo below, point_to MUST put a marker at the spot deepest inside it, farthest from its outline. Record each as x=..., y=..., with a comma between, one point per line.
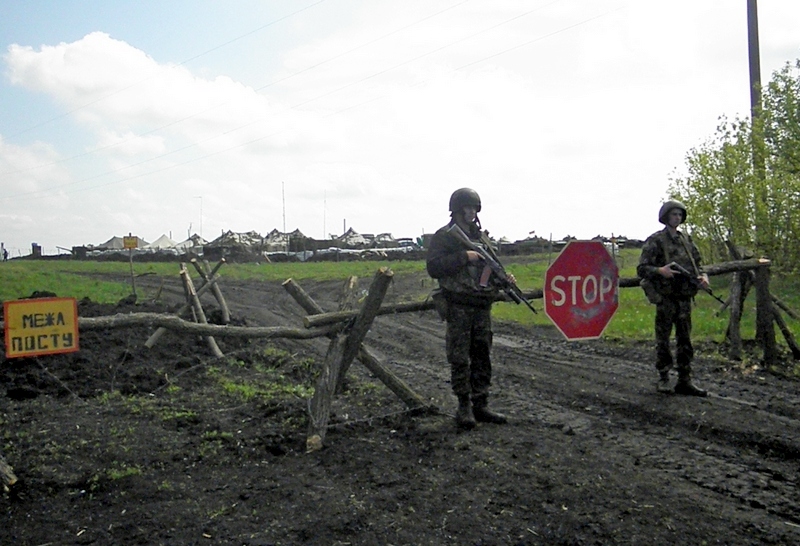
x=668, y=206
x=463, y=197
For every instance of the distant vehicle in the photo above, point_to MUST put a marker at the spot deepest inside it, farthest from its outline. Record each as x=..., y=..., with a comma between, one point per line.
x=407, y=243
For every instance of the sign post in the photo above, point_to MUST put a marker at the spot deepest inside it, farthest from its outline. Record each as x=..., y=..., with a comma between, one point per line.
x=130, y=242
x=581, y=290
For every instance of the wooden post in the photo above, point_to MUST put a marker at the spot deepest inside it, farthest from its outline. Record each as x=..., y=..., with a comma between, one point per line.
x=369, y=310
x=205, y=286
x=226, y=313
x=204, y=272
x=133, y=278
x=734, y=333
x=347, y=301
x=765, y=328
x=739, y=289
x=343, y=349
x=187, y=295
x=198, y=309
x=348, y=298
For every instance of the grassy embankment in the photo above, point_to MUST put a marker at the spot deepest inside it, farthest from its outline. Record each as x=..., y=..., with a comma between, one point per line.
x=633, y=320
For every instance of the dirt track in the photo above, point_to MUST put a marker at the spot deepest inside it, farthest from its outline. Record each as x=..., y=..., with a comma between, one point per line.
x=592, y=454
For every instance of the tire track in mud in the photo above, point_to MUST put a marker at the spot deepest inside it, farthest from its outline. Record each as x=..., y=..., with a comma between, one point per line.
x=741, y=451
x=613, y=401
x=734, y=450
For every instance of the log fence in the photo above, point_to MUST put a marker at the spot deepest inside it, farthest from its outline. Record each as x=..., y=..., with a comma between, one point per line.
x=347, y=329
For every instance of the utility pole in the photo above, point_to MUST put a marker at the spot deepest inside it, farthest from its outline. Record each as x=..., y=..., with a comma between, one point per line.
x=756, y=125
x=755, y=88
x=755, y=61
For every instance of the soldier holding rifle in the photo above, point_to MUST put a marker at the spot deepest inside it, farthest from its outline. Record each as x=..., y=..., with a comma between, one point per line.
x=671, y=273
x=467, y=289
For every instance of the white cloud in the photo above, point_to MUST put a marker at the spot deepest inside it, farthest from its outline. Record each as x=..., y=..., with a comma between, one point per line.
x=567, y=117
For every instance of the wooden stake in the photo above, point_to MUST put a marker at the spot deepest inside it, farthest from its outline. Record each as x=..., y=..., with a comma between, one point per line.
x=765, y=329
x=204, y=274
x=734, y=333
x=204, y=286
x=198, y=309
x=347, y=301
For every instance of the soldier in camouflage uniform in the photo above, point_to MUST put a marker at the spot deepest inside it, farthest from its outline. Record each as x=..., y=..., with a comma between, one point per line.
x=673, y=294
x=467, y=309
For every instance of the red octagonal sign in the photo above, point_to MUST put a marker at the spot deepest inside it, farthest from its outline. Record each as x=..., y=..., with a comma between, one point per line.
x=581, y=290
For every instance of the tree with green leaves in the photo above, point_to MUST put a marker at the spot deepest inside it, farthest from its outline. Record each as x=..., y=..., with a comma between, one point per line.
x=744, y=183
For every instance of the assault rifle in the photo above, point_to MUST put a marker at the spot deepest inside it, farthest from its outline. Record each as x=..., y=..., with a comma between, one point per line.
x=492, y=266
x=693, y=279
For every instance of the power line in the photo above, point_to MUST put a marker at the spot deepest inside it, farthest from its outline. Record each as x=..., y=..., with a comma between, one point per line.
x=116, y=92
x=139, y=135
x=294, y=106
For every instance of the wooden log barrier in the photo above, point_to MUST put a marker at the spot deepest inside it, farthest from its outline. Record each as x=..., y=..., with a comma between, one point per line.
x=399, y=387
x=204, y=272
x=343, y=349
x=174, y=322
x=748, y=279
x=204, y=287
x=323, y=319
x=198, y=311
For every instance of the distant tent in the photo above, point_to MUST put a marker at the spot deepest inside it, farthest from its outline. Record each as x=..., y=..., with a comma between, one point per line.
x=162, y=242
x=352, y=238
x=231, y=238
x=118, y=243
x=194, y=241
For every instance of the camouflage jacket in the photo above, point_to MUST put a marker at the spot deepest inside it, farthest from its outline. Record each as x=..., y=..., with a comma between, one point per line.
x=459, y=278
x=662, y=248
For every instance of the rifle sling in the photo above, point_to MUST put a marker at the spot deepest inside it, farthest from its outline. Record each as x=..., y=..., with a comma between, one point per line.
x=682, y=237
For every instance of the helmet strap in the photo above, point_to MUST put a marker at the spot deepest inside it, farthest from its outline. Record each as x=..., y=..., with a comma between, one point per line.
x=469, y=227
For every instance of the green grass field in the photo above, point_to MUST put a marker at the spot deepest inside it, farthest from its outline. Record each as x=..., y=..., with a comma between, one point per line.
x=632, y=321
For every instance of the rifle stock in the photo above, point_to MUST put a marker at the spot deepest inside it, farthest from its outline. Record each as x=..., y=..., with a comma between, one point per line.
x=510, y=288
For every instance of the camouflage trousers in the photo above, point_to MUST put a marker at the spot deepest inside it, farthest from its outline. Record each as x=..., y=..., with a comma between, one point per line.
x=677, y=313
x=469, y=343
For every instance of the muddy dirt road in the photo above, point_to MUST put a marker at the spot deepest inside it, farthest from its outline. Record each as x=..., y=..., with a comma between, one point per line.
x=118, y=444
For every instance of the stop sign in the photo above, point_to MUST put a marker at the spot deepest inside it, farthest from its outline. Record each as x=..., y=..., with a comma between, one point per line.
x=581, y=290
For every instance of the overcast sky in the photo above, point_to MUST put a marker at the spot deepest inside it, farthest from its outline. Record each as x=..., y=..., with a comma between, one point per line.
x=187, y=116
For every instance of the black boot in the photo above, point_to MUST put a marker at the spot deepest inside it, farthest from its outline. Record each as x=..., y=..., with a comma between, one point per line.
x=480, y=408
x=663, y=383
x=465, y=420
x=687, y=388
